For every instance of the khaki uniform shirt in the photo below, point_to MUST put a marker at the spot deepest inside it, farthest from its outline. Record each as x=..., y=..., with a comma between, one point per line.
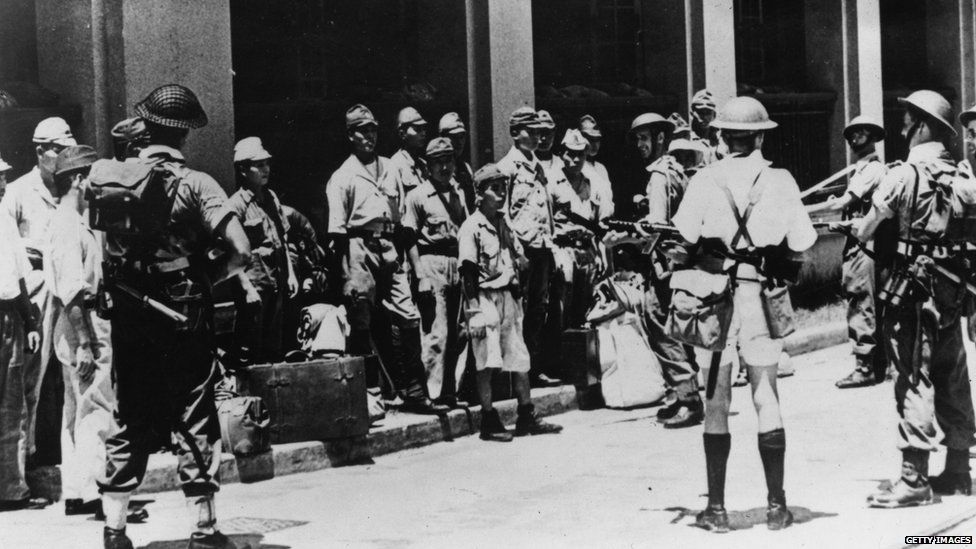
x=495, y=254
x=360, y=200
x=665, y=189
x=410, y=171
x=426, y=214
x=599, y=178
x=13, y=259
x=529, y=208
x=868, y=173
x=267, y=227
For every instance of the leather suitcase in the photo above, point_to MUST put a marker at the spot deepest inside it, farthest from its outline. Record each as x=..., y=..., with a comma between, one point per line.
x=581, y=357
x=314, y=400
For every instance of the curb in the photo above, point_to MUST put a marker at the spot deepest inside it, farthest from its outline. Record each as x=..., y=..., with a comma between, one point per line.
x=940, y=528
x=394, y=433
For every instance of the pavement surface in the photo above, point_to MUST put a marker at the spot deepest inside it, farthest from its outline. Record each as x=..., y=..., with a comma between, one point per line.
x=613, y=478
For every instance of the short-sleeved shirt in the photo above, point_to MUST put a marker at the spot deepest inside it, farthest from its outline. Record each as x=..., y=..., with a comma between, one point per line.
x=584, y=201
x=929, y=174
x=31, y=205
x=13, y=259
x=493, y=250
x=358, y=199
x=529, y=208
x=665, y=189
x=868, y=173
x=199, y=210
x=778, y=213
x=553, y=167
x=267, y=227
x=427, y=215
x=599, y=178
x=74, y=263
x=410, y=171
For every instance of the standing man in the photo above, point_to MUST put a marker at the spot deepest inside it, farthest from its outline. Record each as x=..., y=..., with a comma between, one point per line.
x=926, y=195
x=451, y=127
x=435, y=211
x=858, y=272
x=593, y=169
x=665, y=189
x=529, y=212
x=490, y=256
x=30, y=201
x=366, y=206
x=742, y=206
x=270, y=270
x=702, y=114
x=164, y=366
x=551, y=163
x=407, y=163
x=82, y=340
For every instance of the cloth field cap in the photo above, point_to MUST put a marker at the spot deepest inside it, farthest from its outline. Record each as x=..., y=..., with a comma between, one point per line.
x=703, y=100
x=574, y=141
x=173, y=106
x=932, y=104
x=54, y=131
x=651, y=119
x=440, y=146
x=359, y=115
x=250, y=149
x=409, y=116
x=74, y=158
x=4, y=166
x=968, y=115
x=130, y=129
x=864, y=122
x=486, y=174
x=687, y=145
x=545, y=120
x=589, y=128
x=680, y=125
x=451, y=123
x=743, y=114
x=524, y=117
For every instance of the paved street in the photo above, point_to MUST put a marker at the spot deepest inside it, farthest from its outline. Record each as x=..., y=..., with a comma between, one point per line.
x=612, y=479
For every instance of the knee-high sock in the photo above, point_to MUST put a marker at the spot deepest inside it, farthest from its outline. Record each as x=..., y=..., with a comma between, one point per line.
x=204, y=513
x=716, y=457
x=772, y=450
x=115, y=505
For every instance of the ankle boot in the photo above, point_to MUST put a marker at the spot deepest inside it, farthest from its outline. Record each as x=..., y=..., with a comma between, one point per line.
x=772, y=450
x=492, y=428
x=714, y=518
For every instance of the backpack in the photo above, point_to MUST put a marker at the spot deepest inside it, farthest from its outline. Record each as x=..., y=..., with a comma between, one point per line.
x=130, y=198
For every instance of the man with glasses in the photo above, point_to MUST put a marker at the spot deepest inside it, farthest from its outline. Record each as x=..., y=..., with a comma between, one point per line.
x=30, y=201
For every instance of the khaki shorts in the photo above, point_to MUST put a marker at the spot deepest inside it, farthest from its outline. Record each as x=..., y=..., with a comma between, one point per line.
x=503, y=346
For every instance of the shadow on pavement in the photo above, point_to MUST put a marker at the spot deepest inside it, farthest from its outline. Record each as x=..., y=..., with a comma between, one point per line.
x=242, y=541
x=743, y=520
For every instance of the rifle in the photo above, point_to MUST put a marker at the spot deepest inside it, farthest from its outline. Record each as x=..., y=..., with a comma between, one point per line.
x=177, y=318
x=819, y=186
x=847, y=230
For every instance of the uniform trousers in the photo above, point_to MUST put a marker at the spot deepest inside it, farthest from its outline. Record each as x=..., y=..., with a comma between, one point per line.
x=570, y=298
x=677, y=360
x=535, y=286
x=165, y=389
x=859, y=281
x=440, y=339
x=13, y=406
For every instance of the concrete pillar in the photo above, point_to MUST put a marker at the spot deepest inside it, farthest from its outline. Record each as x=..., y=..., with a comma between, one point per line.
x=870, y=90
x=106, y=55
x=718, y=32
x=500, y=72
x=949, y=39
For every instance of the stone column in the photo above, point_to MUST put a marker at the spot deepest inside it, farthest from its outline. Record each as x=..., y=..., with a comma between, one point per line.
x=870, y=91
x=500, y=72
x=718, y=49
x=106, y=55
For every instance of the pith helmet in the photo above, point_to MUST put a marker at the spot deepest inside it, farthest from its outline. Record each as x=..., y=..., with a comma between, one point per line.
x=866, y=123
x=932, y=104
x=743, y=114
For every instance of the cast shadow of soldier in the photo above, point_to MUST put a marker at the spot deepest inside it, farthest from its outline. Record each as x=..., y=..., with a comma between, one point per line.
x=744, y=520
x=242, y=541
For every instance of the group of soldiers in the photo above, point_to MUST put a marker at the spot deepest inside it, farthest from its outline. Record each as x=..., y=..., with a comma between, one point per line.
x=447, y=272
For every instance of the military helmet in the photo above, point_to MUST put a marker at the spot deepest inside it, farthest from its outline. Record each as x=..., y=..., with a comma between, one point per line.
x=743, y=114
x=174, y=106
x=651, y=119
x=866, y=123
x=932, y=104
x=967, y=116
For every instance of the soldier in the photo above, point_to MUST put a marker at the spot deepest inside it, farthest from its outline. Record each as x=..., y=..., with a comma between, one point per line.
x=435, y=210
x=82, y=340
x=366, y=204
x=407, y=163
x=529, y=212
x=551, y=163
x=451, y=127
x=966, y=119
x=164, y=367
x=129, y=136
x=702, y=114
x=858, y=270
x=490, y=256
x=665, y=189
x=690, y=154
x=593, y=169
x=921, y=306
x=30, y=201
x=733, y=209
x=270, y=271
